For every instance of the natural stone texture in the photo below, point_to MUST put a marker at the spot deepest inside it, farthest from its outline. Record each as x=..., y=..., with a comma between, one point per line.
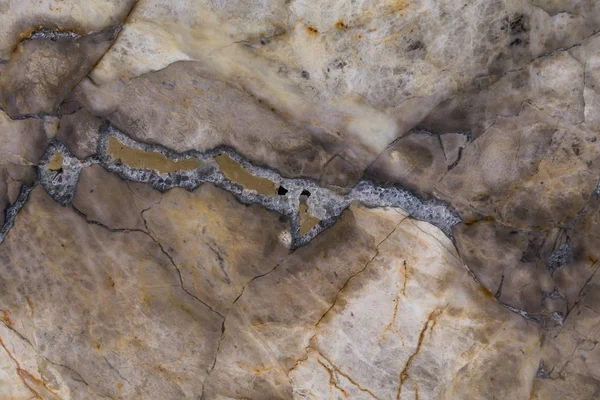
x=363, y=331
x=105, y=198
x=18, y=20
x=184, y=98
x=453, y=145
x=567, y=368
x=22, y=144
x=126, y=292
x=130, y=330
x=525, y=171
x=79, y=132
x=42, y=72
x=416, y=161
x=369, y=71
x=194, y=228
x=503, y=260
x=285, y=321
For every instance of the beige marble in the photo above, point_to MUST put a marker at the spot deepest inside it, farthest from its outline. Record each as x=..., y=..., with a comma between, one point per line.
x=488, y=108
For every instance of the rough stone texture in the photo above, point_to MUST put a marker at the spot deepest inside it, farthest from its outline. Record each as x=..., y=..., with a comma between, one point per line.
x=184, y=98
x=171, y=274
x=416, y=161
x=525, y=171
x=42, y=72
x=137, y=316
x=22, y=143
x=79, y=132
x=18, y=20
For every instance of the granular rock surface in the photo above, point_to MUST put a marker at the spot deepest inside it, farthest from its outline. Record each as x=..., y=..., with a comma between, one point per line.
x=370, y=199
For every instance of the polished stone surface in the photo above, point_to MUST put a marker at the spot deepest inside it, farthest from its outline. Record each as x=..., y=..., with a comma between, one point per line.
x=370, y=199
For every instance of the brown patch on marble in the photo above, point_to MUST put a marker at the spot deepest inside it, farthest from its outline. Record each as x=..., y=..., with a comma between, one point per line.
x=141, y=159
x=307, y=220
x=240, y=175
x=56, y=162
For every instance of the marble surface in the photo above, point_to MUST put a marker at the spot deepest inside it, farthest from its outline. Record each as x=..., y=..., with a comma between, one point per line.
x=233, y=199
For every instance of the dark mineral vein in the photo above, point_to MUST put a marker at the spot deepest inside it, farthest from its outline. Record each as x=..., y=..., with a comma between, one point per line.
x=323, y=203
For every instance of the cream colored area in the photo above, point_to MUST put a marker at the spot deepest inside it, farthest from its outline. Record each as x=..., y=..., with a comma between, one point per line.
x=151, y=41
x=19, y=18
x=236, y=173
x=25, y=374
x=401, y=319
x=141, y=159
x=414, y=325
x=366, y=71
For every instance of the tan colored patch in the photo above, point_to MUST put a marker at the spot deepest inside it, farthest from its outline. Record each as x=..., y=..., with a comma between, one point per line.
x=396, y=5
x=56, y=162
x=307, y=220
x=141, y=159
x=240, y=175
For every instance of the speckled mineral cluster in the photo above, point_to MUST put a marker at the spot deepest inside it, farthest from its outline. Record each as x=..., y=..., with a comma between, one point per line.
x=285, y=199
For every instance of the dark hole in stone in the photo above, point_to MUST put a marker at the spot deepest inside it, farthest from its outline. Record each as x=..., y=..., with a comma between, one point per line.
x=305, y=74
x=282, y=191
x=305, y=193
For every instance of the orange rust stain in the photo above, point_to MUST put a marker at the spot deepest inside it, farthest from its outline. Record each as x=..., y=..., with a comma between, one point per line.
x=340, y=25
x=486, y=292
x=6, y=317
x=348, y=377
x=25, y=374
x=394, y=6
x=312, y=31
x=257, y=371
x=332, y=380
x=404, y=373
